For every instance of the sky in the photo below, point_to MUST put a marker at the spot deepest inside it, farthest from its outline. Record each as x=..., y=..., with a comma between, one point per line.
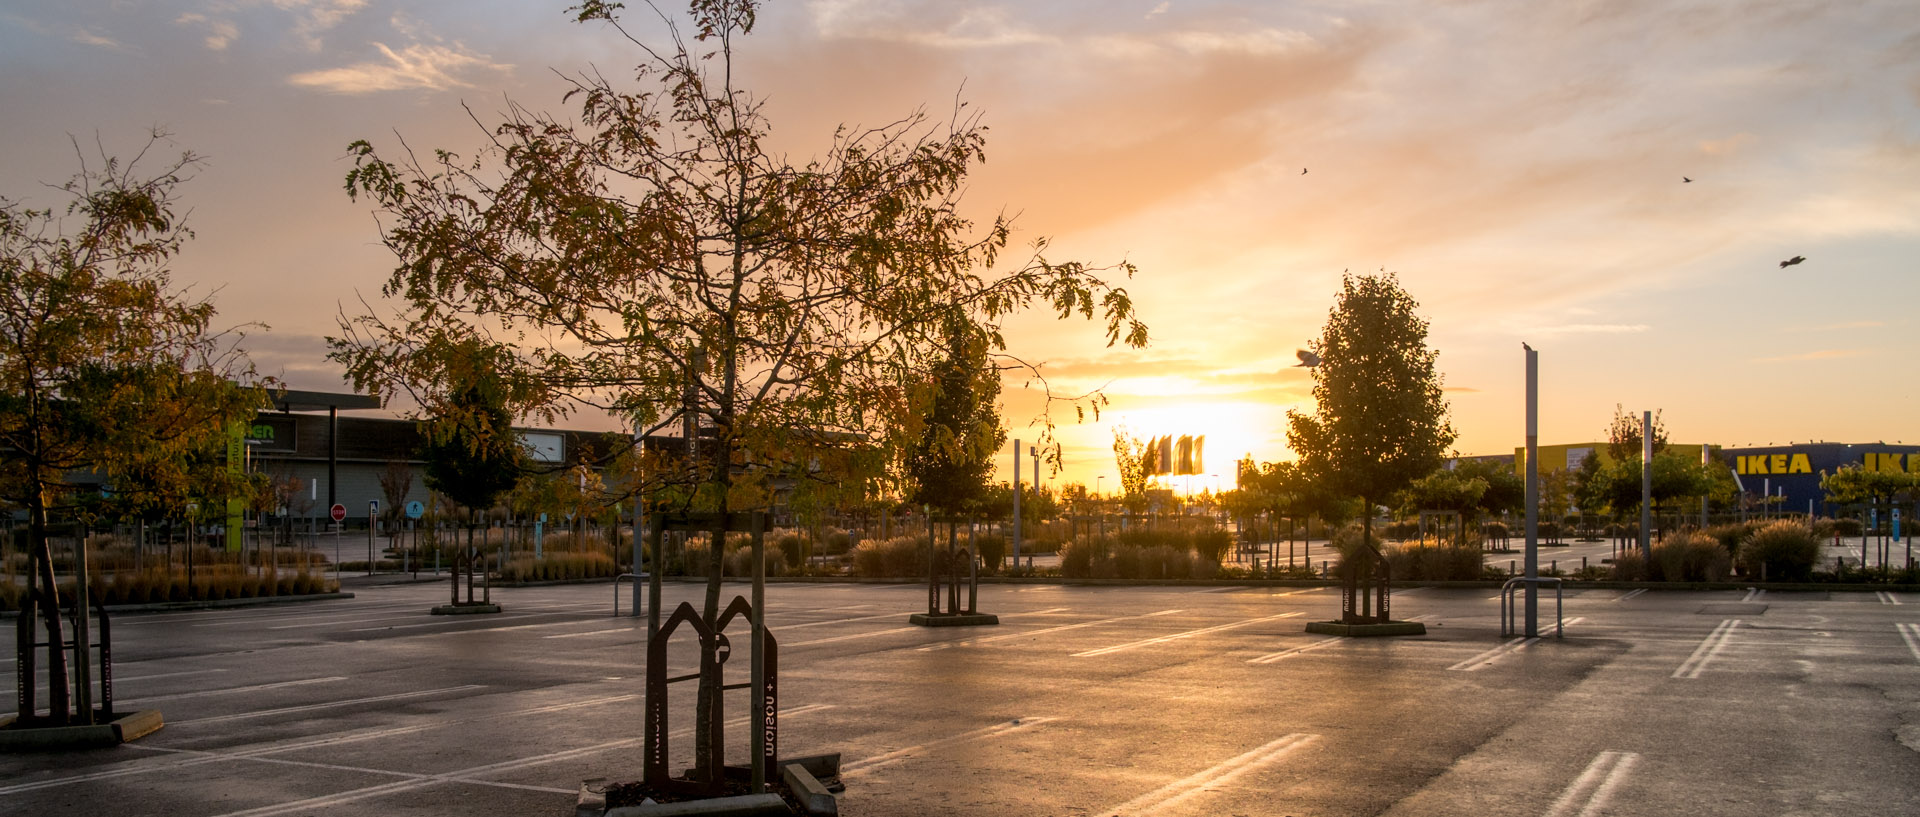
x=1518, y=166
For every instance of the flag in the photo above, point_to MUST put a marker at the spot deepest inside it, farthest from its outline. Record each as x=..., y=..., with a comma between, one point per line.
x=1166, y=454
x=1199, y=445
x=1183, y=454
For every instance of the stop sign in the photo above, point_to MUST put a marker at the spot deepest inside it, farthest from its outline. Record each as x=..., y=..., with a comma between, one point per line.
x=339, y=512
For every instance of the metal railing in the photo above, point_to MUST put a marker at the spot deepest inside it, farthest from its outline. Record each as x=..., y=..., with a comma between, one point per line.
x=1507, y=593
x=639, y=606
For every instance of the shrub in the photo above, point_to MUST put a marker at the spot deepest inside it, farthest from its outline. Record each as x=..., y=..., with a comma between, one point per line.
x=1076, y=559
x=740, y=562
x=838, y=543
x=1848, y=526
x=1204, y=568
x=1405, y=529
x=1782, y=551
x=1730, y=534
x=793, y=548
x=1630, y=566
x=1445, y=562
x=1690, y=557
x=1162, y=562
x=1212, y=544
x=992, y=549
x=899, y=557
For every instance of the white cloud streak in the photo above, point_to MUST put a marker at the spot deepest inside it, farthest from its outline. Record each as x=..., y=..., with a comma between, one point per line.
x=417, y=67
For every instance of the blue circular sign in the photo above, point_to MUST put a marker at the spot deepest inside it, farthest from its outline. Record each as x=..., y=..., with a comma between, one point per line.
x=415, y=510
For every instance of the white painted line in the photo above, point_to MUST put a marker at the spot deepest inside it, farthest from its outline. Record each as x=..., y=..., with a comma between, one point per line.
x=1276, y=656
x=166, y=675
x=1630, y=594
x=1887, y=598
x=1589, y=793
x=594, y=632
x=1911, y=633
x=1030, y=634
x=340, y=621
x=1227, y=589
x=868, y=764
x=255, y=688
x=308, y=764
x=1220, y=775
x=1486, y=658
x=275, y=748
x=853, y=636
x=836, y=621
x=1176, y=636
x=561, y=623
x=1714, y=643
x=317, y=804
x=1753, y=593
x=445, y=620
x=329, y=705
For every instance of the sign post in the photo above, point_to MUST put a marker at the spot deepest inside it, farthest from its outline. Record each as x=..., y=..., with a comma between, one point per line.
x=339, y=514
x=373, y=523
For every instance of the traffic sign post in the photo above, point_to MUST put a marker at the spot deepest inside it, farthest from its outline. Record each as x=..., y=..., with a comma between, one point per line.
x=339, y=512
x=373, y=523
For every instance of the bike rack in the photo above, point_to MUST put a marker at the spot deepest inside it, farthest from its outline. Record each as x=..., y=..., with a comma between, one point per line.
x=638, y=601
x=1507, y=592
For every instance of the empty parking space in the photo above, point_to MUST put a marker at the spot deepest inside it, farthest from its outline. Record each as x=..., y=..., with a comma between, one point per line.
x=1084, y=700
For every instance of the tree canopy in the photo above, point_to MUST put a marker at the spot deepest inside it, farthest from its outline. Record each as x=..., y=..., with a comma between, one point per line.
x=1379, y=420
x=949, y=465
x=105, y=365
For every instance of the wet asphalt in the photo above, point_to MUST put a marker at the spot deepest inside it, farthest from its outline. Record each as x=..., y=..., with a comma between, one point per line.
x=1084, y=700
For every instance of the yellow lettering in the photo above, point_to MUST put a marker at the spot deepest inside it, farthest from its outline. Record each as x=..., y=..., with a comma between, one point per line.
x=1779, y=464
x=1757, y=464
x=1885, y=462
x=1800, y=465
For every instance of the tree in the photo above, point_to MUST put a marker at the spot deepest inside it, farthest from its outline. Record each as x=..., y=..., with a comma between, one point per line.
x=1623, y=435
x=949, y=465
x=1130, y=458
x=105, y=366
x=1506, y=490
x=472, y=454
x=1379, y=421
x=1445, y=490
x=1856, y=485
x=651, y=256
x=396, y=481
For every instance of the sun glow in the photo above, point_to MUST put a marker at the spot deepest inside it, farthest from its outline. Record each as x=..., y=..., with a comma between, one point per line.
x=1233, y=430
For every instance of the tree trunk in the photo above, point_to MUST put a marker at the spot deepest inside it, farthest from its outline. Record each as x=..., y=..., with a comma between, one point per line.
x=59, y=703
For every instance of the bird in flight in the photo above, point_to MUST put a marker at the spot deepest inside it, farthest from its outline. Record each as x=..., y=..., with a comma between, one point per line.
x=1792, y=261
x=1685, y=180
x=1303, y=171
x=1307, y=359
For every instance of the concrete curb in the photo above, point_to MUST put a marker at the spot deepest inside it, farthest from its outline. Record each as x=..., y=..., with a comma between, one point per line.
x=953, y=619
x=465, y=609
x=130, y=726
x=1366, y=630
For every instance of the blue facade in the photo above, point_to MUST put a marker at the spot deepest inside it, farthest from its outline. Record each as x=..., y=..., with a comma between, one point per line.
x=1794, y=470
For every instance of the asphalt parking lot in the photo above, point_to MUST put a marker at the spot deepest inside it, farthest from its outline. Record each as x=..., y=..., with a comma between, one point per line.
x=1085, y=700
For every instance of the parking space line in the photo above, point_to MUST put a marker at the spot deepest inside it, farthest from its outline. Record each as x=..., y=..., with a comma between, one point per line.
x=853, y=636
x=1630, y=594
x=1487, y=659
x=1910, y=632
x=1222, y=774
x=1887, y=598
x=787, y=627
x=166, y=675
x=1754, y=594
x=470, y=775
x=1710, y=647
x=311, y=743
x=868, y=764
x=972, y=641
x=309, y=764
x=262, y=713
x=1177, y=636
x=1276, y=656
x=229, y=690
x=593, y=632
x=1590, y=792
x=444, y=620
